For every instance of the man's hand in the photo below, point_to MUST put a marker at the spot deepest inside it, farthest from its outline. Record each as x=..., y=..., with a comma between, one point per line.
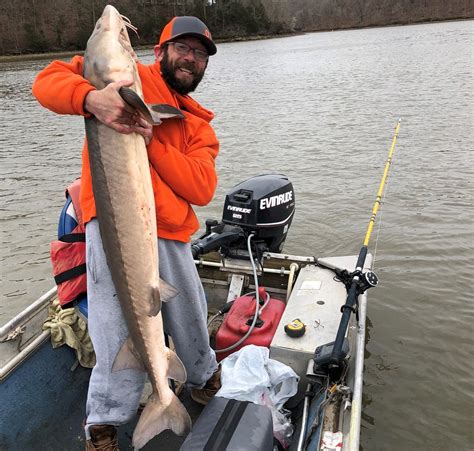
x=142, y=127
x=110, y=109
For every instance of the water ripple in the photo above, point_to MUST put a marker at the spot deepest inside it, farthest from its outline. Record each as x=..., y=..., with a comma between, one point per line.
x=320, y=108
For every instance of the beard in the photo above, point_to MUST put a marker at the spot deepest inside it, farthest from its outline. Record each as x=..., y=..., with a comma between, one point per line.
x=168, y=70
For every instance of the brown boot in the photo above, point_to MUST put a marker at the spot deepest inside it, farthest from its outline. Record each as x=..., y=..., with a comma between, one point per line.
x=103, y=438
x=205, y=394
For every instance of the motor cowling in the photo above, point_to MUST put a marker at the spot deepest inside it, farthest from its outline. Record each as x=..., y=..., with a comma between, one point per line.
x=263, y=205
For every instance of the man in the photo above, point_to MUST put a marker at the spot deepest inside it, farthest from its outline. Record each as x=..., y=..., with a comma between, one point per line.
x=181, y=155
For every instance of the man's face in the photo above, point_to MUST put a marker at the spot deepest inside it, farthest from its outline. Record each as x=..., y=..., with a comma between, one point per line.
x=182, y=72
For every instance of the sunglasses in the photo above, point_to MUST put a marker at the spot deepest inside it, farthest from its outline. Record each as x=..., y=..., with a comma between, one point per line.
x=184, y=49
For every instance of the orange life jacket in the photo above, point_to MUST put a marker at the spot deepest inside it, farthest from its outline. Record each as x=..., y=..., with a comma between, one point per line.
x=68, y=255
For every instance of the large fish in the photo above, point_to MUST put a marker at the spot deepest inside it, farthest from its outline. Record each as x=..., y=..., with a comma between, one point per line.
x=126, y=213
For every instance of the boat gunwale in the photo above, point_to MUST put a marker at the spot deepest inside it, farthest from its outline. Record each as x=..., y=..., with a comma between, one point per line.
x=33, y=308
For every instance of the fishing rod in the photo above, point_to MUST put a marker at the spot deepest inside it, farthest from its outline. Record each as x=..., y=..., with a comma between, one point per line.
x=358, y=282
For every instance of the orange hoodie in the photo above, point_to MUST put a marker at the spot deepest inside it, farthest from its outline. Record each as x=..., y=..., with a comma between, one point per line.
x=181, y=153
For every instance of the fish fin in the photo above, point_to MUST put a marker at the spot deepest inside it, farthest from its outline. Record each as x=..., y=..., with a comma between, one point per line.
x=167, y=291
x=134, y=100
x=176, y=369
x=155, y=301
x=127, y=358
x=160, y=294
x=164, y=111
x=153, y=113
x=157, y=417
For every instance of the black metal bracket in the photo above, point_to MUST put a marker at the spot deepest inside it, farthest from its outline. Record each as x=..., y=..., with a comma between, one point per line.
x=353, y=308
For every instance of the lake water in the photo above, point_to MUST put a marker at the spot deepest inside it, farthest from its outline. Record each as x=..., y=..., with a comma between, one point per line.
x=320, y=108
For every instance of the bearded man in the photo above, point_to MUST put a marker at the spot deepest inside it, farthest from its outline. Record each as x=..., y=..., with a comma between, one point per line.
x=182, y=163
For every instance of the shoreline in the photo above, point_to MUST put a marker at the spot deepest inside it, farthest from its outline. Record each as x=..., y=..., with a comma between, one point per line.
x=65, y=53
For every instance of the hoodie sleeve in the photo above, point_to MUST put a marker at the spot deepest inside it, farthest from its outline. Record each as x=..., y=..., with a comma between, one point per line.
x=190, y=174
x=61, y=88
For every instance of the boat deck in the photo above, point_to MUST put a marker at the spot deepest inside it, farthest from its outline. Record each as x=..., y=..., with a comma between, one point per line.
x=44, y=390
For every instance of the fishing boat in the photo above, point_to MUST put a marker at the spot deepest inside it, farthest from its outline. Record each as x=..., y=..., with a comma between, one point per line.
x=43, y=390
x=311, y=312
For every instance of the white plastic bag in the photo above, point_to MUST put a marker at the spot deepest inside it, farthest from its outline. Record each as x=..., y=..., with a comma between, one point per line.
x=250, y=375
x=332, y=441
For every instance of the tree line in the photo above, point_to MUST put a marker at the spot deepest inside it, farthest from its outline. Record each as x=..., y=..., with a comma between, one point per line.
x=32, y=26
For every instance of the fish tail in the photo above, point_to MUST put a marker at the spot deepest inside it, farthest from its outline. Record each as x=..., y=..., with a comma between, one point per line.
x=157, y=417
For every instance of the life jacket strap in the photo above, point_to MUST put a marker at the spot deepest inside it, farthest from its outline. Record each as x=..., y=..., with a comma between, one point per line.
x=73, y=238
x=70, y=274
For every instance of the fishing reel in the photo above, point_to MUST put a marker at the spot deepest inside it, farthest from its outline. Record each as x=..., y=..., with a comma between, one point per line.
x=366, y=279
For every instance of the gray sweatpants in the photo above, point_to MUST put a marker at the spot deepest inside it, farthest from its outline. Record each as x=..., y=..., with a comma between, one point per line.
x=113, y=398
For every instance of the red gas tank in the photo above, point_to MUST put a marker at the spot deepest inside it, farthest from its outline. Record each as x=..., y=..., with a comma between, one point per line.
x=240, y=317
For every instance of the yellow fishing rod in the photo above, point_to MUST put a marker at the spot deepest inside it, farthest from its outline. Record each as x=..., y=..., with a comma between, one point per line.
x=378, y=200
x=358, y=282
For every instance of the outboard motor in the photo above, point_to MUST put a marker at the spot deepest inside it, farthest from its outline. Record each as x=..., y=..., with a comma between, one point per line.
x=263, y=205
